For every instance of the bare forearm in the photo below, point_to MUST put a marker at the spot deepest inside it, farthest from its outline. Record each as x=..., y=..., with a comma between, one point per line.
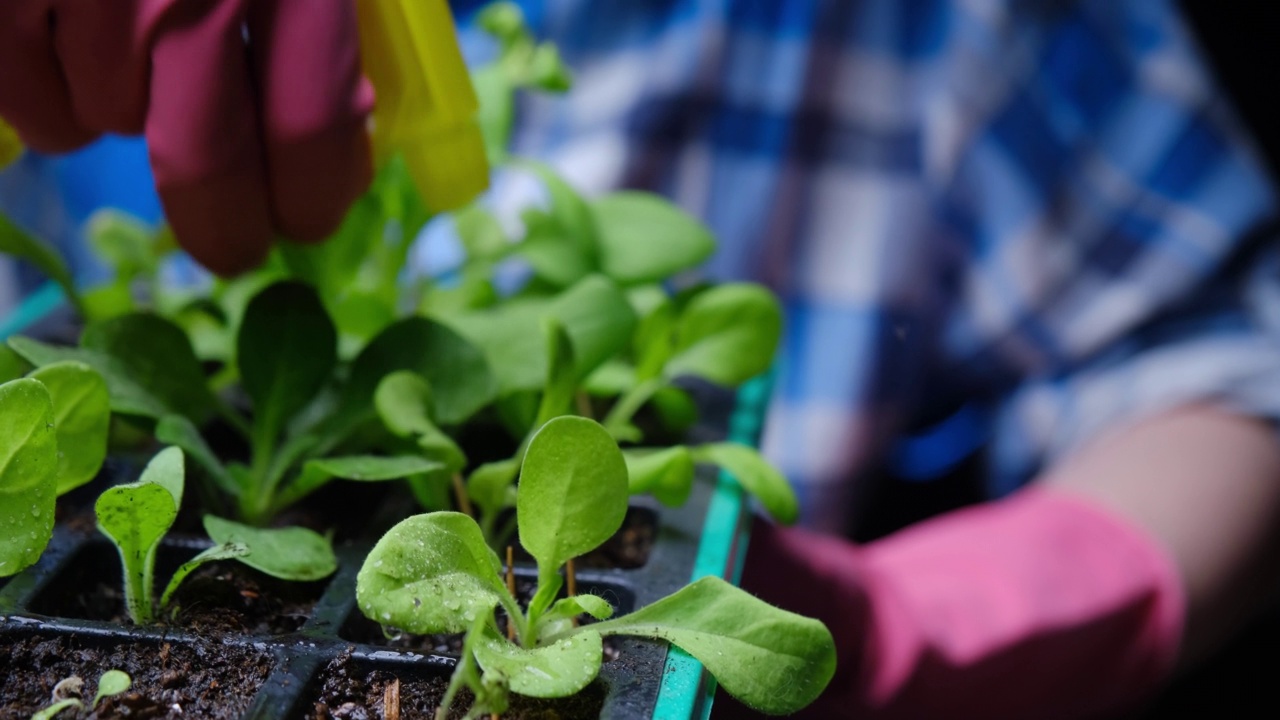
x=1205, y=483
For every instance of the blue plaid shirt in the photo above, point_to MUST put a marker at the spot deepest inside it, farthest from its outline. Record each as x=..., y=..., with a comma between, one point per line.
x=1041, y=210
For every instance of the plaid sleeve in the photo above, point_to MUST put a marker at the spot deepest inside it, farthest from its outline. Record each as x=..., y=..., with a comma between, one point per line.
x=1115, y=218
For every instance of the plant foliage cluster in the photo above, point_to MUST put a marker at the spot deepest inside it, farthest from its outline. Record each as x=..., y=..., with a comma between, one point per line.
x=333, y=362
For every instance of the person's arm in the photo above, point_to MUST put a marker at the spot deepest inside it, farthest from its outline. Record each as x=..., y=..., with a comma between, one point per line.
x=1205, y=483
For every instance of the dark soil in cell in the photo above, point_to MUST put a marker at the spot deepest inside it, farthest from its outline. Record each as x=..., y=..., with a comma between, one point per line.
x=217, y=599
x=204, y=679
x=348, y=691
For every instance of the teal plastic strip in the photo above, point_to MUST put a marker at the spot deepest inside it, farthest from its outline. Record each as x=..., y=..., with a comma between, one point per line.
x=38, y=304
x=687, y=691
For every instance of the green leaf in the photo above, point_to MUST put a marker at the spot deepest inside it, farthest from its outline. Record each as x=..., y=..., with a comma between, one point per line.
x=291, y=553
x=227, y=551
x=362, y=468
x=55, y=709
x=727, y=334
x=455, y=369
x=547, y=70
x=153, y=353
x=562, y=377
x=108, y=300
x=568, y=209
x=12, y=366
x=403, y=400
x=554, y=256
x=179, y=431
x=774, y=661
x=480, y=233
x=666, y=474
x=756, y=476
x=112, y=682
x=123, y=242
x=655, y=339
x=489, y=485
x=431, y=573
x=496, y=94
x=593, y=605
x=594, y=312
x=81, y=419
x=556, y=670
x=645, y=238
x=28, y=473
x=135, y=517
x=128, y=396
x=16, y=242
x=573, y=491
x=286, y=349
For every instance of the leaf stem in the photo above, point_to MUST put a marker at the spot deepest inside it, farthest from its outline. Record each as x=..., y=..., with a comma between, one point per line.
x=619, y=416
x=460, y=494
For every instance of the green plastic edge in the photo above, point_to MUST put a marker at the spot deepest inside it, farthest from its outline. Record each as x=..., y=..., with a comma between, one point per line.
x=38, y=304
x=687, y=691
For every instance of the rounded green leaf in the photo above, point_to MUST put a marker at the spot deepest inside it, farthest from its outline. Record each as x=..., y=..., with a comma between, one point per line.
x=81, y=419
x=112, y=682
x=772, y=660
x=756, y=476
x=666, y=474
x=558, y=669
x=456, y=370
x=28, y=473
x=136, y=516
x=727, y=334
x=150, y=352
x=403, y=401
x=286, y=350
x=291, y=553
x=645, y=238
x=573, y=490
x=430, y=573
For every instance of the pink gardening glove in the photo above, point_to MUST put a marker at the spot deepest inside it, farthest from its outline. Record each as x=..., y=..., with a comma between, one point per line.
x=1040, y=606
x=254, y=112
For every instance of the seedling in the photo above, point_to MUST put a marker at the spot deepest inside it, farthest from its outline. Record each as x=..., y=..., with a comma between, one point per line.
x=304, y=411
x=434, y=573
x=67, y=693
x=53, y=438
x=136, y=517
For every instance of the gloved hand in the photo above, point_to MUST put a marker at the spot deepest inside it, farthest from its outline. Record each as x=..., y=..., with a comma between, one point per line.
x=254, y=112
x=1038, y=606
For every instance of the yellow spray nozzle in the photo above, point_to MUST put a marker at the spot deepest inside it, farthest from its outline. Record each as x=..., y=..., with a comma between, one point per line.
x=425, y=108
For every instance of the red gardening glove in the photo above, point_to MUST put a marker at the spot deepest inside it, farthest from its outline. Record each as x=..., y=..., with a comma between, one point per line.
x=254, y=112
x=1039, y=606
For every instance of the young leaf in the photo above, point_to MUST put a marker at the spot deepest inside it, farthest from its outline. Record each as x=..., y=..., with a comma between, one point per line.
x=403, y=401
x=644, y=238
x=136, y=516
x=179, y=431
x=655, y=339
x=454, y=368
x=291, y=553
x=12, y=366
x=286, y=350
x=562, y=377
x=594, y=313
x=571, y=607
x=56, y=708
x=128, y=395
x=431, y=573
x=363, y=468
x=124, y=242
x=112, y=682
x=666, y=474
x=155, y=354
x=756, y=476
x=556, y=670
x=16, y=242
x=573, y=491
x=727, y=334
x=774, y=661
x=81, y=419
x=489, y=486
x=228, y=551
x=553, y=254
x=28, y=473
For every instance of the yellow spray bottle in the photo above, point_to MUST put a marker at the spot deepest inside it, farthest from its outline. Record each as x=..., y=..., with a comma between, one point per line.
x=425, y=108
